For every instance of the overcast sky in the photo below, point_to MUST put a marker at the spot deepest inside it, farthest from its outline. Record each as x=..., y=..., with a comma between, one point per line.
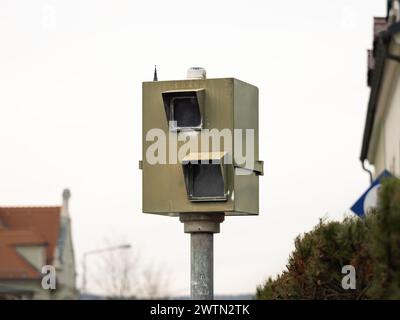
x=70, y=112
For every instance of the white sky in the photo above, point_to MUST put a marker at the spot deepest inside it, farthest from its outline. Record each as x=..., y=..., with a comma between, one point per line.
x=70, y=112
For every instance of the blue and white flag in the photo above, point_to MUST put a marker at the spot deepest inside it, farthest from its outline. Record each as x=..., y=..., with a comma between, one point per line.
x=369, y=199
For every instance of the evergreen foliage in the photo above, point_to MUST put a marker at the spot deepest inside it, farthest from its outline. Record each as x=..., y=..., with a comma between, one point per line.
x=370, y=244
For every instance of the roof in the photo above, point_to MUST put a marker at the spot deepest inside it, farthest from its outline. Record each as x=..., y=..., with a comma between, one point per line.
x=381, y=54
x=26, y=226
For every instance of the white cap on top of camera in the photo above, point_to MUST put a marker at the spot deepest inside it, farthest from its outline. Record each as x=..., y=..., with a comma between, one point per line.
x=196, y=73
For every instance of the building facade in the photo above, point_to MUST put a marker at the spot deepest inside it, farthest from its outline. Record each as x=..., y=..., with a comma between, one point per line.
x=31, y=238
x=381, y=141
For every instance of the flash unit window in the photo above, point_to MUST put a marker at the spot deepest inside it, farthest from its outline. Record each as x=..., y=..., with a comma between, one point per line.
x=205, y=180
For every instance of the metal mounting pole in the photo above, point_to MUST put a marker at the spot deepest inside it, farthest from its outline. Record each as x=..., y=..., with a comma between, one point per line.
x=202, y=227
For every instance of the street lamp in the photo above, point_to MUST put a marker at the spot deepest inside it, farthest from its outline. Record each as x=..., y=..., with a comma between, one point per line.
x=86, y=254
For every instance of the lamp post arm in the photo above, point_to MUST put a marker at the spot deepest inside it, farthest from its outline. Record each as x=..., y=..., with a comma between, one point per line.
x=87, y=253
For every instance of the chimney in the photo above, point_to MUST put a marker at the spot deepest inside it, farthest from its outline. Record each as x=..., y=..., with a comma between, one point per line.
x=64, y=210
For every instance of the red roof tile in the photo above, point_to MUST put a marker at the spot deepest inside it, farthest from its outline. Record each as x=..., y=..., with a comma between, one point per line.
x=26, y=226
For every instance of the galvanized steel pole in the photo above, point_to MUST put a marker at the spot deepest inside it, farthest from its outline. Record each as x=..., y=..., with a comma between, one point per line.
x=202, y=266
x=202, y=227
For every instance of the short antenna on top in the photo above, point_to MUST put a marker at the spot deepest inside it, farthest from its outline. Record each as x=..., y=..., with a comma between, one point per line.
x=155, y=78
